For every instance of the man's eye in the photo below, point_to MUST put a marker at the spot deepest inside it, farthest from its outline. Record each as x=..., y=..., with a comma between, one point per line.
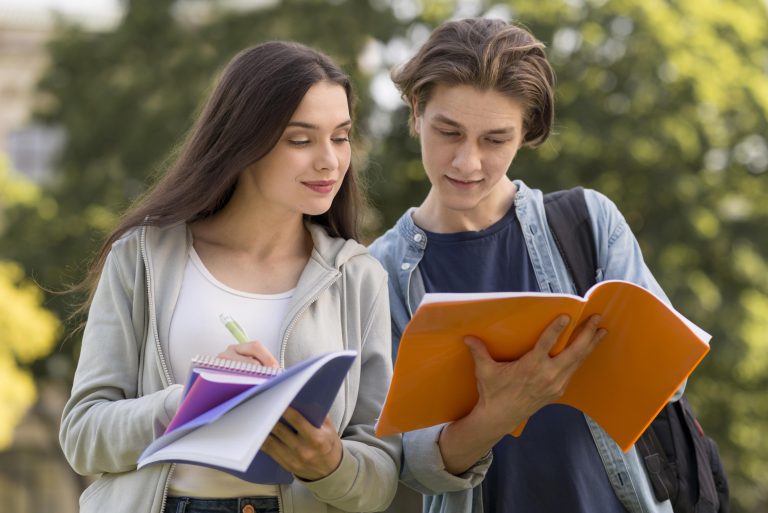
x=448, y=133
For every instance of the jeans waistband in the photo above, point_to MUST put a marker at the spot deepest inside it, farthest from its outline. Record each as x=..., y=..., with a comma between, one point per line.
x=238, y=505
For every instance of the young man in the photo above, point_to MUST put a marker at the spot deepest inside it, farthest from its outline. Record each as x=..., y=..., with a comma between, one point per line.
x=479, y=90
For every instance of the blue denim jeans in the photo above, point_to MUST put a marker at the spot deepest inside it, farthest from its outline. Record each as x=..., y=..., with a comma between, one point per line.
x=240, y=505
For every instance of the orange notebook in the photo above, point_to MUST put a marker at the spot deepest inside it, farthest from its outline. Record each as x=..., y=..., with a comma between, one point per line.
x=650, y=349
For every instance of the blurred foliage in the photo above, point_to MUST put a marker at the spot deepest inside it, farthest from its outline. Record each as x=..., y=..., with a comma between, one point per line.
x=662, y=105
x=29, y=331
x=127, y=97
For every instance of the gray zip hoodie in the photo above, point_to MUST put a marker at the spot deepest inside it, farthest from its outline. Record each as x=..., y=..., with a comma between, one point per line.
x=123, y=393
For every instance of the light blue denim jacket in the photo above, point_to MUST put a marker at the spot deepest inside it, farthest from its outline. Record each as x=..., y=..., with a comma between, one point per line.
x=401, y=249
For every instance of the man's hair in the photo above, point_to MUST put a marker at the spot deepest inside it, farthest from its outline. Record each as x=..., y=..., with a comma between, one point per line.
x=488, y=54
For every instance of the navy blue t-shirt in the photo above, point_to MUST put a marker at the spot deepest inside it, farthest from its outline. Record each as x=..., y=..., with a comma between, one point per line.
x=554, y=465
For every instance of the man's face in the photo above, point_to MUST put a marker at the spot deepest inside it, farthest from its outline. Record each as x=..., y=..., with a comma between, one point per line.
x=468, y=140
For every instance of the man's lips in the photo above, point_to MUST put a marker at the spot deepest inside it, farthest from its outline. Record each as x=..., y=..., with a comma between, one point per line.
x=462, y=184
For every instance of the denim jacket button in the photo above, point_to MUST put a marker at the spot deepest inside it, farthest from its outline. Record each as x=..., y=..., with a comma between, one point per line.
x=405, y=266
x=418, y=237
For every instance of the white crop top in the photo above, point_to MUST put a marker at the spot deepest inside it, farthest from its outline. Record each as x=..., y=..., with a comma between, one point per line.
x=196, y=329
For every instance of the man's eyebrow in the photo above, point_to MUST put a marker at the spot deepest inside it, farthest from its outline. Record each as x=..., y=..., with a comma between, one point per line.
x=440, y=118
x=311, y=126
x=502, y=131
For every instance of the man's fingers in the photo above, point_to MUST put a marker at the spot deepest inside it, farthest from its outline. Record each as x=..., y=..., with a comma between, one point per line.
x=585, y=342
x=549, y=336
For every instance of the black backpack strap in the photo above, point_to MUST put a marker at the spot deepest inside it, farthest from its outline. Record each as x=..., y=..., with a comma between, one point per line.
x=662, y=475
x=569, y=222
x=568, y=219
x=711, y=486
x=682, y=463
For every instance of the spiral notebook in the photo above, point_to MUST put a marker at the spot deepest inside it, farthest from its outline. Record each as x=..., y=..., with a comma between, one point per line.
x=229, y=408
x=214, y=380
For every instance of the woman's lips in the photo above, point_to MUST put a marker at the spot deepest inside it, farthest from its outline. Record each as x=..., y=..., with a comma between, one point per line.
x=321, y=186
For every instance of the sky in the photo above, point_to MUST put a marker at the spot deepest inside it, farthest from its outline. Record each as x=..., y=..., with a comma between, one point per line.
x=92, y=13
x=88, y=12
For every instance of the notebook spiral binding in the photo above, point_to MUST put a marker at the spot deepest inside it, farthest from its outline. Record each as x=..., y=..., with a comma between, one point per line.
x=213, y=363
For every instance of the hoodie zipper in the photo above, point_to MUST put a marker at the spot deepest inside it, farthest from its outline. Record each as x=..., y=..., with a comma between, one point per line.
x=153, y=324
x=284, y=343
x=303, y=309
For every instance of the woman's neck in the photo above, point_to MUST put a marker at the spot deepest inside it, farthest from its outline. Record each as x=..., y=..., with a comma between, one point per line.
x=246, y=226
x=253, y=249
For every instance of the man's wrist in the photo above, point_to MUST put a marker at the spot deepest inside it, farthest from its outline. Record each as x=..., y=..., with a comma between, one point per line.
x=465, y=441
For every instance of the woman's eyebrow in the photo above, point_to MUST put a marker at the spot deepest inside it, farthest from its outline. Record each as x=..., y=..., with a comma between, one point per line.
x=312, y=126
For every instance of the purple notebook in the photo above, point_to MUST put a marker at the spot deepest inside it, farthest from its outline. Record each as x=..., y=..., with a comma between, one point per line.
x=229, y=408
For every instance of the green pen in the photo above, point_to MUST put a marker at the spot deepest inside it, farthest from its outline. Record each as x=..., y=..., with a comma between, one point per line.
x=234, y=328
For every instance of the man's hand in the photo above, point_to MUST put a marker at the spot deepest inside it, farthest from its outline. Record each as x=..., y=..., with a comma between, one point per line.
x=510, y=392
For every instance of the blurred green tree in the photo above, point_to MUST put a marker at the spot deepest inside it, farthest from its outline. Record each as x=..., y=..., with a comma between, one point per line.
x=29, y=331
x=126, y=98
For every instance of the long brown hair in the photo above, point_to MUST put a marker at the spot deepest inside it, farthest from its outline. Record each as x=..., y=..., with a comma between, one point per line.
x=242, y=120
x=490, y=55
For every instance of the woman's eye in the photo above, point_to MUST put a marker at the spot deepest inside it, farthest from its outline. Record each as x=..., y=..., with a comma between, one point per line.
x=341, y=140
x=496, y=141
x=298, y=142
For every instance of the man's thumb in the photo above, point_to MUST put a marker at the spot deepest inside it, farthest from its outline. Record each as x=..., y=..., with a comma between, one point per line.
x=477, y=349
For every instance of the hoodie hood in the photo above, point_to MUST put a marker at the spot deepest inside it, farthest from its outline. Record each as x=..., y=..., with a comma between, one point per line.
x=168, y=246
x=333, y=251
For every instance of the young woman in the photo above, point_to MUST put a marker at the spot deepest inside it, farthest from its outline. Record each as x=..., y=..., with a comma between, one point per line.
x=479, y=90
x=254, y=219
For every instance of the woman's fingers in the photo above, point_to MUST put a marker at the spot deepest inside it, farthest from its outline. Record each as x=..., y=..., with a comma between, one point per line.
x=257, y=351
x=250, y=352
x=305, y=450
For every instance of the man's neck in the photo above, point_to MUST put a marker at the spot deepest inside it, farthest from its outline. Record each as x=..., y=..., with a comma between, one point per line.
x=432, y=215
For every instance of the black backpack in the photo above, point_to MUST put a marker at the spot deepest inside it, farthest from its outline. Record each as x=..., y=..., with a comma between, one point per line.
x=683, y=464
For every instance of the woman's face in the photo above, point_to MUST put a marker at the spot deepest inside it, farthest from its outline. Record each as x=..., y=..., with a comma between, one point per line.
x=305, y=169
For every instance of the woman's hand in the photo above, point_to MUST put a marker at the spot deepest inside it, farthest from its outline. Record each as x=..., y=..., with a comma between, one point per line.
x=250, y=352
x=308, y=452
x=510, y=392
